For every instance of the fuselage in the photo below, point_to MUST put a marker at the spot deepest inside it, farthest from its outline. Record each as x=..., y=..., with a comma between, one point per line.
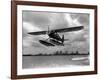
x=54, y=35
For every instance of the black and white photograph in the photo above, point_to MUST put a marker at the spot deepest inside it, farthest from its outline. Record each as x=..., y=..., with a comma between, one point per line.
x=55, y=39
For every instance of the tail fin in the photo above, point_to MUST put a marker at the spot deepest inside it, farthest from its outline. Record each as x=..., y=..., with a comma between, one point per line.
x=62, y=38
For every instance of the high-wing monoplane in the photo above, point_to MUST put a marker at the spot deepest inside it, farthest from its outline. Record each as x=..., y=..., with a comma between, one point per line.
x=54, y=38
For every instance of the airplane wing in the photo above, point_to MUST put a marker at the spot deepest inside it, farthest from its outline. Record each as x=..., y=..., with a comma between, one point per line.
x=38, y=33
x=70, y=29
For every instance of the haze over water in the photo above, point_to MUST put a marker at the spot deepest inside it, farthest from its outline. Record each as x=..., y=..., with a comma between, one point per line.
x=54, y=61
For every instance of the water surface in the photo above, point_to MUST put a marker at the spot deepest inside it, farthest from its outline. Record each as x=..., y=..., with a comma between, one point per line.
x=54, y=61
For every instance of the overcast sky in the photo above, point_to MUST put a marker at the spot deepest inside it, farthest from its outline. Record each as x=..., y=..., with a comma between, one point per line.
x=38, y=21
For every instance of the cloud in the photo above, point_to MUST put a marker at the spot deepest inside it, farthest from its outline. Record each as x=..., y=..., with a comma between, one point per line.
x=29, y=40
x=40, y=19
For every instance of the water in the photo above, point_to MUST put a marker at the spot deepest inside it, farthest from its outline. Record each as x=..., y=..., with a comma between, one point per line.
x=54, y=61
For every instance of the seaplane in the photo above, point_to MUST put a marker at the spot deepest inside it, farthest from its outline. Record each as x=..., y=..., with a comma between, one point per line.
x=54, y=38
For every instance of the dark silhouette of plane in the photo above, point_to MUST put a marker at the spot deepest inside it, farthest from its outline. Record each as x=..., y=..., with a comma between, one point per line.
x=54, y=38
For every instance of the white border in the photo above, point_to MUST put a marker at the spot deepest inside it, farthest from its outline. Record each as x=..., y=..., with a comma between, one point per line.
x=21, y=71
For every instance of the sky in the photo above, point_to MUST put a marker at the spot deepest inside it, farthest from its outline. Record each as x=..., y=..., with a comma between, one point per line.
x=38, y=21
